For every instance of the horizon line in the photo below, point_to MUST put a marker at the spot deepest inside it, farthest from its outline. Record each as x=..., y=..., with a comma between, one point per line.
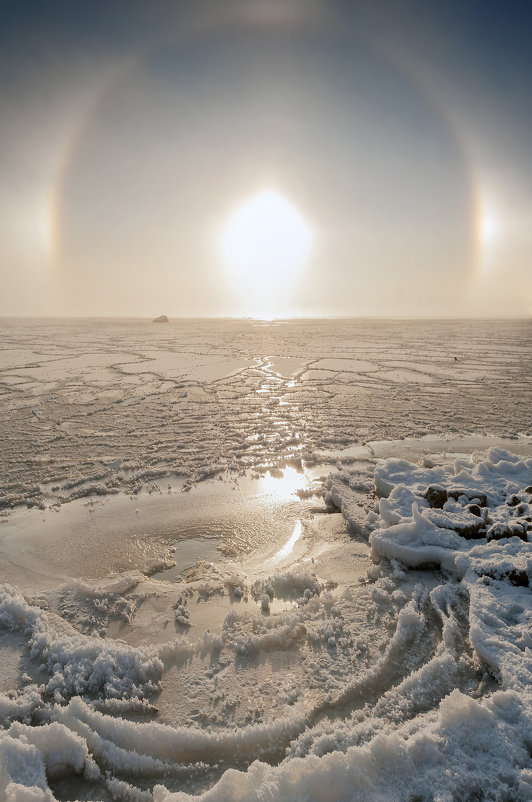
x=259, y=319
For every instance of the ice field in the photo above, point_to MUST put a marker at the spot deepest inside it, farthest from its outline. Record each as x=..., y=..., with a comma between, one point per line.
x=253, y=560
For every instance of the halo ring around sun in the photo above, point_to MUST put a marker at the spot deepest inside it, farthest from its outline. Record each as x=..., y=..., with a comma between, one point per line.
x=75, y=140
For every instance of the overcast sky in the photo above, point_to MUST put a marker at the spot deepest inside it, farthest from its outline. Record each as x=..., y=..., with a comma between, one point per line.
x=401, y=132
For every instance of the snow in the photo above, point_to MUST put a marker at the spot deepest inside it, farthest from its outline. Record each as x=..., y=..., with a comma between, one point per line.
x=444, y=703
x=466, y=746
x=79, y=664
x=363, y=636
x=461, y=752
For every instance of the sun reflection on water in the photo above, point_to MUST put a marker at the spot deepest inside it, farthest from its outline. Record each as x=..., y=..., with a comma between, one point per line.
x=283, y=483
x=290, y=543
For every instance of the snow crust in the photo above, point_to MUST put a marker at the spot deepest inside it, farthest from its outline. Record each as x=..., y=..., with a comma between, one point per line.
x=415, y=683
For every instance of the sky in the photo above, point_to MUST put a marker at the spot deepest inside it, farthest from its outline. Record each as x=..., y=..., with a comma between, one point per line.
x=135, y=136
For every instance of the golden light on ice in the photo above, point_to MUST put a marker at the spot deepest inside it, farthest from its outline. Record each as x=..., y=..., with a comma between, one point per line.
x=282, y=484
x=265, y=245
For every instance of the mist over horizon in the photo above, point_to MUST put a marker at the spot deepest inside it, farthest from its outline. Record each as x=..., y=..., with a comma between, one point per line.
x=266, y=320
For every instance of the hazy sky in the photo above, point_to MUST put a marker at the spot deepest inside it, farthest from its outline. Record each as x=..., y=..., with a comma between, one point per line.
x=400, y=133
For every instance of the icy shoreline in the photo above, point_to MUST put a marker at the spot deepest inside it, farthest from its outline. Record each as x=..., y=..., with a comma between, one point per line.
x=319, y=676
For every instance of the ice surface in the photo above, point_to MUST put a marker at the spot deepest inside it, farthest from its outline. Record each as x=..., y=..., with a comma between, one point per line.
x=365, y=636
x=379, y=689
x=198, y=397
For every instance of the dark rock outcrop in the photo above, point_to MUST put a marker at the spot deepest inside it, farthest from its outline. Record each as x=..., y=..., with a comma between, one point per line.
x=456, y=492
x=471, y=531
x=511, y=529
x=436, y=496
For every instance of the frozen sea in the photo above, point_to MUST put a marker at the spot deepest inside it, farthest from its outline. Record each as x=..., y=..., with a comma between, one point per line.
x=265, y=560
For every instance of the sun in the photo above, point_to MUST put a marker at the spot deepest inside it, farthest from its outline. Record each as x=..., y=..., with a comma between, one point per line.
x=265, y=245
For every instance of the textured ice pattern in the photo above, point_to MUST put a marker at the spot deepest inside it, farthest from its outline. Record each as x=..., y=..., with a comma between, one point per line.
x=415, y=683
x=92, y=407
x=318, y=675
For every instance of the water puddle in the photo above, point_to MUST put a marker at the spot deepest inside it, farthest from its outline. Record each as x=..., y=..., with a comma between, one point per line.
x=216, y=520
x=91, y=538
x=188, y=553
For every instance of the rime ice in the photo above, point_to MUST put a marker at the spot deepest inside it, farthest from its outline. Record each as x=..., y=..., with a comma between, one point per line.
x=164, y=635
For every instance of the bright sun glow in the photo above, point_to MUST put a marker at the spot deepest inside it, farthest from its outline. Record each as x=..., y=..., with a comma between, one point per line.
x=283, y=484
x=265, y=245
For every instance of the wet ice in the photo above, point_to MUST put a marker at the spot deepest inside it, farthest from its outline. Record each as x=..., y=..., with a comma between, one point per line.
x=360, y=624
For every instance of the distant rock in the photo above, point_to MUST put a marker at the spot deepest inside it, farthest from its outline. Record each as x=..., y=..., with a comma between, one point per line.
x=160, y=319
